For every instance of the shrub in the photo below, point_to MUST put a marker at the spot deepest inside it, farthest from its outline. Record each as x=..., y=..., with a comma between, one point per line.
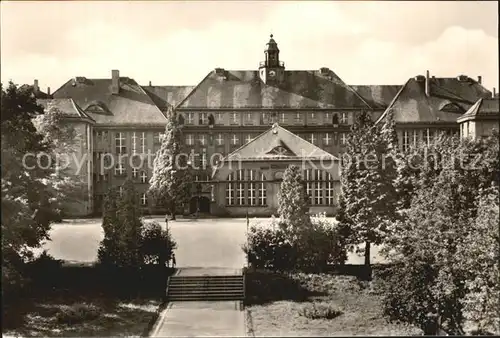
x=78, y=313
x=319, y=311
x=157, y=245
x=312, y=248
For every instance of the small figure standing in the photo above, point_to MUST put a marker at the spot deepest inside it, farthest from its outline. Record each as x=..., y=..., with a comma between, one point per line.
x=173, y=260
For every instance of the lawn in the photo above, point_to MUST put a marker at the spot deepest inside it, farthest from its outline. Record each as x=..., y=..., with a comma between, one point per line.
x=90, y=316
x=353, y=307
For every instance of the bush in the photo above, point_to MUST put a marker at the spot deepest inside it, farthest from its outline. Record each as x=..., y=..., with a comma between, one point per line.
x=312, y=249
x=78, y=313
x=157, y=245
x=319, y=311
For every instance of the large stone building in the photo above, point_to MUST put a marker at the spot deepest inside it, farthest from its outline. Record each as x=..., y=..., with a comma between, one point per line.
x=267, y=117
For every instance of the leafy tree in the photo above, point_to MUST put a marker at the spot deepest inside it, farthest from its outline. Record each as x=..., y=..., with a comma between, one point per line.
x=480, y=254
x=367, y=182
x=63, y=139
x=27, y=189
x=293, y=208
x=170, y=184
x=433, y=245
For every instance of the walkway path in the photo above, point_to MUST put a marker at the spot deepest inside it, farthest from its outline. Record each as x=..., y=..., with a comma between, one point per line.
x=197, y=319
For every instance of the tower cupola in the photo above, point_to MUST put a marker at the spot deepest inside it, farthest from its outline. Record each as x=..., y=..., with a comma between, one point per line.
x=272, y=70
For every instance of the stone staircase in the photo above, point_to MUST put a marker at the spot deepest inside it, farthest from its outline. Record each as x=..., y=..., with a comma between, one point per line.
x=206, y=288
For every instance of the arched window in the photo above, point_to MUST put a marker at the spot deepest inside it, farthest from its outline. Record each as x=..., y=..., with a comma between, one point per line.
x=246, y=188
x=319, y=186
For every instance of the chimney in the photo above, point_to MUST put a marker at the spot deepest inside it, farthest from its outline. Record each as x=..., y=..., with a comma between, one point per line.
x=35, y=86
x=48, y=90
x=494, y=92
x=115, y=81
x=427, y=83
x=150, y=83
x=479, y=79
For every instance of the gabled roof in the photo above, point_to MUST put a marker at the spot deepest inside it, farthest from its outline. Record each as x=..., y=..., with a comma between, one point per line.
x=165, y=96
x=132, y=106
x=448, y=99
x=67, y=106
x=377, y=96
x=299, y=89
x=482, y=109
x=261, y=147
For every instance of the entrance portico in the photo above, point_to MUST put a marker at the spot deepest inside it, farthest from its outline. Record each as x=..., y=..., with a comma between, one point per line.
x=248, y=179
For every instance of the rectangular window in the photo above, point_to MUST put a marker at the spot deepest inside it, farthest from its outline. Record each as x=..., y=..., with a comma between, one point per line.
x=234, y=118
x=235, y=139
x=344, y=118
x=120, y=143
x=252, y=198
x=406, y=140
x=230, y=190
x=143, y=142
x=248, y=138
x=219, y=118
x=219, y=139
x=120, y=167
x=415, y=138
x=312, y=116
x=429, y=136
x=240, y=188
x=202, y=139
x=189, y=139
x=144, y=199
x=189, y=118
x=144, y=177
x=262, y=191
x=298, y=117
x=248, y=118
x=327, y=139
x=312, y=138
x=135, y=172
x=203, y=118
x=318, y=186
x=134, y=143
x=328, y=118
x=204, y=158
x=329, y=190
x=282, y=118
x=343, y=139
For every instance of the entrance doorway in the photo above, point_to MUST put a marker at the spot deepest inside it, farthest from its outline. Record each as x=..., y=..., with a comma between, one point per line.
x=200, y=203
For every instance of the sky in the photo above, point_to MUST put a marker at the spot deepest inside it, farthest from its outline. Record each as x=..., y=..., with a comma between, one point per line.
x=180, y=42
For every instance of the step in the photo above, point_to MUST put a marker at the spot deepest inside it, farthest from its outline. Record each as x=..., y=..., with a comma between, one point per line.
x=206, y=279
x=201, y=298
x=192, y=291
x=198, y=284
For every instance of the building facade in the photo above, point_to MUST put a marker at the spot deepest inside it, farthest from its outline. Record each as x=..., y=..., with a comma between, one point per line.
x=231, y=111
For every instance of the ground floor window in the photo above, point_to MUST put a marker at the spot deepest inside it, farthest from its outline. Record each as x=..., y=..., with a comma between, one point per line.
x=319, y=186
x=246, y=187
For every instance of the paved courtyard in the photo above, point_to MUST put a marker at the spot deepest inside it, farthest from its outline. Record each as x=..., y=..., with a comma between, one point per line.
x=201, y=243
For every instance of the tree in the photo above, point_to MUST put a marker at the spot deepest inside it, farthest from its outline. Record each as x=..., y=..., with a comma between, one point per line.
x=480, y=254
x=63, y=138
x=293, y=208
x=122, y=225
x=170, y=184
x=367, y=182
x=443, y=247
x=27, y=189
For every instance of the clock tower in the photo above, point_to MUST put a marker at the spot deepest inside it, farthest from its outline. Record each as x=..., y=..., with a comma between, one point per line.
x=272, y=70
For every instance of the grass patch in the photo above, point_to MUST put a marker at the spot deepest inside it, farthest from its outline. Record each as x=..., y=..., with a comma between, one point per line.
x=333, y=305
x=89, y=316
